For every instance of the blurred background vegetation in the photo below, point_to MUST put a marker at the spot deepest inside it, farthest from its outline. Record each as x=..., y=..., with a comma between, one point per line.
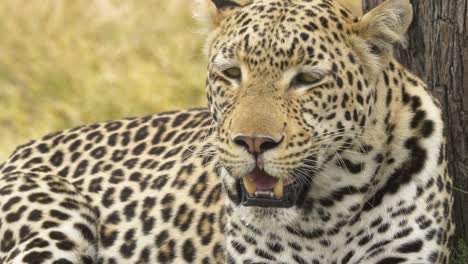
x=65, y=63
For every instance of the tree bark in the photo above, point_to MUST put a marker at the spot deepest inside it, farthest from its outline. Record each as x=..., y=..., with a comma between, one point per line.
x=437, y=52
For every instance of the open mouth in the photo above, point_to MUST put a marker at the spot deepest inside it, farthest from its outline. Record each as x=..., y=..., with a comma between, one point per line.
x=260, y=189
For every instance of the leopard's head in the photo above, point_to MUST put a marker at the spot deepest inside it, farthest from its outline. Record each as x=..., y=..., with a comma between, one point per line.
x=290, y=84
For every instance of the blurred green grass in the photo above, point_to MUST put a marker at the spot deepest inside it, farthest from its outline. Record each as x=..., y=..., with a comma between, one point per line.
x=460, y=253
x=65, y=63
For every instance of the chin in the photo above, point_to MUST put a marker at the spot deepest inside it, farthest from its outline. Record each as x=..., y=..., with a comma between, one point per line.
x=263, y=201
x=267, y=218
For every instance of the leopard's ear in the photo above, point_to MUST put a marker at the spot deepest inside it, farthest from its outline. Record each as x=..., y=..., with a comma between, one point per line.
x=212, y=12
x=354, y=6
x=378, y=31
x=386, y=25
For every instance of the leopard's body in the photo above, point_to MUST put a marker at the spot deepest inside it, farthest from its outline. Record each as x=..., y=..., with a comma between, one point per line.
x=128, y=191
x=361, y=134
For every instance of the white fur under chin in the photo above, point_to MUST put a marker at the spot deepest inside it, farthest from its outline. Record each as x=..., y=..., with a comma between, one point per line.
x=267, y=218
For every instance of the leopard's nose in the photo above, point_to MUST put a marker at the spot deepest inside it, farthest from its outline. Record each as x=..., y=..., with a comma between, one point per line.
x=256, y=145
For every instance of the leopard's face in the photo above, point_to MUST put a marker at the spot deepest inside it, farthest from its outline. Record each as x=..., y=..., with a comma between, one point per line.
x=288, y=92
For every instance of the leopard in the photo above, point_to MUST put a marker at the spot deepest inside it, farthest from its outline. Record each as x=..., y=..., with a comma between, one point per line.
x=316, y=146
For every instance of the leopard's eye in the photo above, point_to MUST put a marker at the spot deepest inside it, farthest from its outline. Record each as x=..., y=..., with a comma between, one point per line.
x=305, y=79
x=234, y=73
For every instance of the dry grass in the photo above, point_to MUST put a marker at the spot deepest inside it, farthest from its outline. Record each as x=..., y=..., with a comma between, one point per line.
x=65, y=63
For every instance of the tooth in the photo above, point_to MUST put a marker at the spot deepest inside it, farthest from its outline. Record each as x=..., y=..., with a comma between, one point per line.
x=249, y=186
x=278, y=190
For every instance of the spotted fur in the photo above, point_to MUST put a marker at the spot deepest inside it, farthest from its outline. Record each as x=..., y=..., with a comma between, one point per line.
x=364, y=137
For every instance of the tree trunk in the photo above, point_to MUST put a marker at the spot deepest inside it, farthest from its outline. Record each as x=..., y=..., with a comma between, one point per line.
x=437, y=52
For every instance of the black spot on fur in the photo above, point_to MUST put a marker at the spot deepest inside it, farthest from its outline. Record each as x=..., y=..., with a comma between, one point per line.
x=414, y=164
x=391, y=260
x=36, y=257
x=411, y=247
x=263, y=254
x=188, y=251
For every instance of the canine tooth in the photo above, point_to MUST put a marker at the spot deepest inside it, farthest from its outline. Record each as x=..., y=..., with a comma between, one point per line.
x=278, y=190
x=249, y=186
